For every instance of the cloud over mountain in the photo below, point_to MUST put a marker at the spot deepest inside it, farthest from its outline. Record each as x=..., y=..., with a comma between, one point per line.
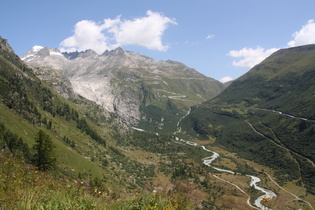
x=226, y=79
x=250, y=57
x=145, y=31
x=110, y=33
x=87, y=35
x=305, y=36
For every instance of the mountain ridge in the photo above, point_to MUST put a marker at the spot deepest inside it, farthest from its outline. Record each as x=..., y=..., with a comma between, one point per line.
x=98, y=151
x=96, y=156
x=120, y=80
x=275, y=82
x=267, y=115
x=81, y=131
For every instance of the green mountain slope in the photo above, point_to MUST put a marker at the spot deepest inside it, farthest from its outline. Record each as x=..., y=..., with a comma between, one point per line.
x=102, y=163
x=267, y=115
x=284, y=81
x=82, y=134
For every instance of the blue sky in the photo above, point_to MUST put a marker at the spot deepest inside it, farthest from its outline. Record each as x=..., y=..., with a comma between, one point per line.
x=219, y=38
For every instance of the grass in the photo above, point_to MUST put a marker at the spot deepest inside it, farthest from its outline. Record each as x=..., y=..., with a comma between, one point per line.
x=87, y=158
x=67, y=157
x=24, y=187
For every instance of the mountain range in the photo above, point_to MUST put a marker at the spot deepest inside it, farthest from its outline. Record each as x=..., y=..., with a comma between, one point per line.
x=125, y=124
x=133, y=86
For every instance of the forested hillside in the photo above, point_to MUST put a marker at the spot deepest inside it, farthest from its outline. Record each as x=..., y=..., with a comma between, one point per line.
x=81, y=132
x=87, y=157
x=283, y=81
x=267, y=115
x=73, y=154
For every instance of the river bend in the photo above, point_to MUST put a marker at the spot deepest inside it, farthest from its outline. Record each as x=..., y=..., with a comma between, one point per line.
x=254, y=180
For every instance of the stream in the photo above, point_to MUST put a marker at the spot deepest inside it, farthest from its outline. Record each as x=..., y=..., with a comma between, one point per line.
x=208, y=160
x=254, y=180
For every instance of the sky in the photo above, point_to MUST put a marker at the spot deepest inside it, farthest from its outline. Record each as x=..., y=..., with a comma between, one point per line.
x=222, y=39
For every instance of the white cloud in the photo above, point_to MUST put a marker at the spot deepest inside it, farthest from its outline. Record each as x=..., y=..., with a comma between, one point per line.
x=226, y=79
x=210, y=36
x=249, y=56
x=305, y=36
x=87, y=35
x=145, y=31
x=188, y=42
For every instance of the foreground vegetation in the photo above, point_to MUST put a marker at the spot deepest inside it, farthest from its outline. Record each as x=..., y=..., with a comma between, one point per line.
x=23, y=186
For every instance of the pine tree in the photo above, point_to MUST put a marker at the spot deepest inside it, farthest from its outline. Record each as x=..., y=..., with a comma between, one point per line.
x=44, y=157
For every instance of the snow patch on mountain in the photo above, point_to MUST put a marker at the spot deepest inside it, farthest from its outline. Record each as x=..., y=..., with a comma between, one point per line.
x=37, y=48
x=40, y=52
x=56, y=53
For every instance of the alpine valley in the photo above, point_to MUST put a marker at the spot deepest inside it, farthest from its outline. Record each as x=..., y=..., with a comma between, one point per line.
x=123, y=131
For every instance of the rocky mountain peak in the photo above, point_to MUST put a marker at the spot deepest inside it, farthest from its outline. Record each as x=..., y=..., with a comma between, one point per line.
x=4, y=45
x=35, y=49
x=43, y=52
x=40, y=52
x=122, y=81
x=71, y=55
x=117, y=51
x=106, y=53
x=82, y=54
x=87, y=53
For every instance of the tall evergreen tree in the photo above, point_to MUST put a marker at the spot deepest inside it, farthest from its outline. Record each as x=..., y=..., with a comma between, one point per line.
x=44, y=157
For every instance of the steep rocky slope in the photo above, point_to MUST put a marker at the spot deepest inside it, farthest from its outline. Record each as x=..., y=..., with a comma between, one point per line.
x=126, y=83
x=83, y=134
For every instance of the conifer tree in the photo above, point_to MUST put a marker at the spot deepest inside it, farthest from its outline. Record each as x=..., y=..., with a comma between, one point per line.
x=44, y=157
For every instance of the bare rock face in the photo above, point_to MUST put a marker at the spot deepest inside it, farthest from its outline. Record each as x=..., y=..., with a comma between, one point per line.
x=121, y=81
x=60, y=83
x=4, y=45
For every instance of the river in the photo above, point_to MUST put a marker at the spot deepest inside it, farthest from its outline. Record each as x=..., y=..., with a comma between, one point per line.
x=208, y=160
x=253, y=182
